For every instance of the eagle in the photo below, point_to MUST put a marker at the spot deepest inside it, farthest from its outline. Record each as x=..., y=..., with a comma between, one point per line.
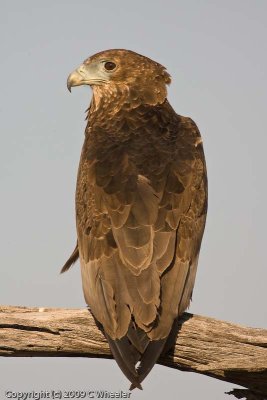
x=141, y=205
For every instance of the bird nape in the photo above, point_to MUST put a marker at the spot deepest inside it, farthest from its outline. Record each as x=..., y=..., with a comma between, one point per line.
x=141, y=204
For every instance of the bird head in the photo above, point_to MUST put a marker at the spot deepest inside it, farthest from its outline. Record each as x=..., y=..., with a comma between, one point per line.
x=123, y=70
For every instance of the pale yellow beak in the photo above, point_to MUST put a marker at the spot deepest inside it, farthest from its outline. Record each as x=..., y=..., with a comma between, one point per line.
x=80, y=76
x=88, y=74
x=74, y=79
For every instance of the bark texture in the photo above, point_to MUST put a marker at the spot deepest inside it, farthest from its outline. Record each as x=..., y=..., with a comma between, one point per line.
x=219, y=349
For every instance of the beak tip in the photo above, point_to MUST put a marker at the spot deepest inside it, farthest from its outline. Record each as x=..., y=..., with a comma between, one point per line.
x=74, y=79
x=69, y=85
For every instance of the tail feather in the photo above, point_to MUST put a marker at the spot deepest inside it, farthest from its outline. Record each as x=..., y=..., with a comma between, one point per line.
x=138, y=338
x=149, y=359
x=123, y=362
x=128, y=353
x=136, y=354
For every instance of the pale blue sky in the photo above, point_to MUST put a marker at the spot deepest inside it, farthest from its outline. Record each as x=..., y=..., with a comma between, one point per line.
x=216, y=54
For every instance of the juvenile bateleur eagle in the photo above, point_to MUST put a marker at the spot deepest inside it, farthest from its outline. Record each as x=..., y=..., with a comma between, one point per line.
x=141, y=203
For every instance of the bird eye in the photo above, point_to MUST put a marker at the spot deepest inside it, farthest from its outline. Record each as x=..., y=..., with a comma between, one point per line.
x=109, y=65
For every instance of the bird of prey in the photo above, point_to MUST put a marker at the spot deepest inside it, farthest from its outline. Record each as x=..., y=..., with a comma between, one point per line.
x=141, y=204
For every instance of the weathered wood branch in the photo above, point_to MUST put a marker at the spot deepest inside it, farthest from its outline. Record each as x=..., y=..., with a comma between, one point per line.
x=204, y=345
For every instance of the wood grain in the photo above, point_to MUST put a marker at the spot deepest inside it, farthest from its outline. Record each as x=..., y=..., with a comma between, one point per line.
x=219, y=349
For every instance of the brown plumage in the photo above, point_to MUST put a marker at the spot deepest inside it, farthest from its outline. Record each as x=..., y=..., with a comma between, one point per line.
x=141, y=203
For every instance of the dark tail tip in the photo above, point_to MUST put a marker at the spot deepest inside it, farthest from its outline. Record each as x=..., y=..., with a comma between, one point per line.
x=136, y=385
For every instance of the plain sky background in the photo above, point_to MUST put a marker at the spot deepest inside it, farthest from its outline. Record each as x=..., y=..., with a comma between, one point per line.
x=216, y=54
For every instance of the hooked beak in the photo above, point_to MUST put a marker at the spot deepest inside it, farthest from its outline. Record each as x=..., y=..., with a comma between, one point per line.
x=76, y=78
x=86, y=74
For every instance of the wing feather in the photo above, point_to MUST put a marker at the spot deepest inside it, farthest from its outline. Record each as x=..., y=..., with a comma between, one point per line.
x=139, y=235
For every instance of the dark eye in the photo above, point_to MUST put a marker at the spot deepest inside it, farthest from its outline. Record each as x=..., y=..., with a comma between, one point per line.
x=109, y=65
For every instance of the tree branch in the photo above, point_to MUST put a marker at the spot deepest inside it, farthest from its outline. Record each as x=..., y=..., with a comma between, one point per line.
x=204, y=345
